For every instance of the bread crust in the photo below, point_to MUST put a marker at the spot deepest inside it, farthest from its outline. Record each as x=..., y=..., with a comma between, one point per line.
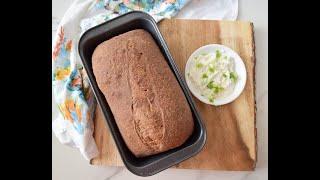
x=145, y=98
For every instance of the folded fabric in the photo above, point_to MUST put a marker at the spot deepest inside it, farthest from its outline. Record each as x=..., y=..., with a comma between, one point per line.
x=210, y=9
x=71, y=90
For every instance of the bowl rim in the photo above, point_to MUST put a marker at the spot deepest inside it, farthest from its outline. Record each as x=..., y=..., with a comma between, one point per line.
x=240, y=86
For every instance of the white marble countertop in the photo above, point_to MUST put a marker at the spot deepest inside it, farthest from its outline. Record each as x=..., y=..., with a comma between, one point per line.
x=67, y=163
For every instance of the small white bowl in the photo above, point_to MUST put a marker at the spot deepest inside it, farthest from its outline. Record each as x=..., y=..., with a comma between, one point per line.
x=239, y=68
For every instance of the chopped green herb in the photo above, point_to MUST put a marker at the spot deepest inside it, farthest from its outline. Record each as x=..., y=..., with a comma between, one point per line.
x=211, y=100
x=218, y=54
x=199, y=65
x=217, y=89
x=210, y=85
x=211, y=69
x=225, y=75
x=233, y=76
x=204, y=75
x=204, y=54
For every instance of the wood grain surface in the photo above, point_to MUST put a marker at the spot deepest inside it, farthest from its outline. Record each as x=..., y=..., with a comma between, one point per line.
x=231, y=133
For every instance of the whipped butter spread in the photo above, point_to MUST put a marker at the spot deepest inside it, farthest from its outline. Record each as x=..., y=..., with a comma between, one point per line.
x=213, y=74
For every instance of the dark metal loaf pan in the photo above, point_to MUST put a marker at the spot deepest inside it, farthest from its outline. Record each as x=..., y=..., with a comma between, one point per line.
x=150, y=165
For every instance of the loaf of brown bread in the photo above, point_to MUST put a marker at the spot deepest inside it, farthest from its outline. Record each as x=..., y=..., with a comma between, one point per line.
x=145, y=98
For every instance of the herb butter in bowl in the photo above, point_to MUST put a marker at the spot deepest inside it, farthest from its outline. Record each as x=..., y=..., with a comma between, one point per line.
x=215, y=74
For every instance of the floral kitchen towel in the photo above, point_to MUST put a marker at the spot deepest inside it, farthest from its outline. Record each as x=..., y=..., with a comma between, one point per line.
x=71, y=91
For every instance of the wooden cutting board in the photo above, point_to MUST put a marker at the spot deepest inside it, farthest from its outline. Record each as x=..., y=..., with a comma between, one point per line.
x=231, y=133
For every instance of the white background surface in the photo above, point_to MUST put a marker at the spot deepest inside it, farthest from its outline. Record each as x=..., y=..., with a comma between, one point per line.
x=68, y=164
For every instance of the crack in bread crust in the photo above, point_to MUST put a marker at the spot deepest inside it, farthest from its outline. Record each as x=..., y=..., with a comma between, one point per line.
x=147, y=115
